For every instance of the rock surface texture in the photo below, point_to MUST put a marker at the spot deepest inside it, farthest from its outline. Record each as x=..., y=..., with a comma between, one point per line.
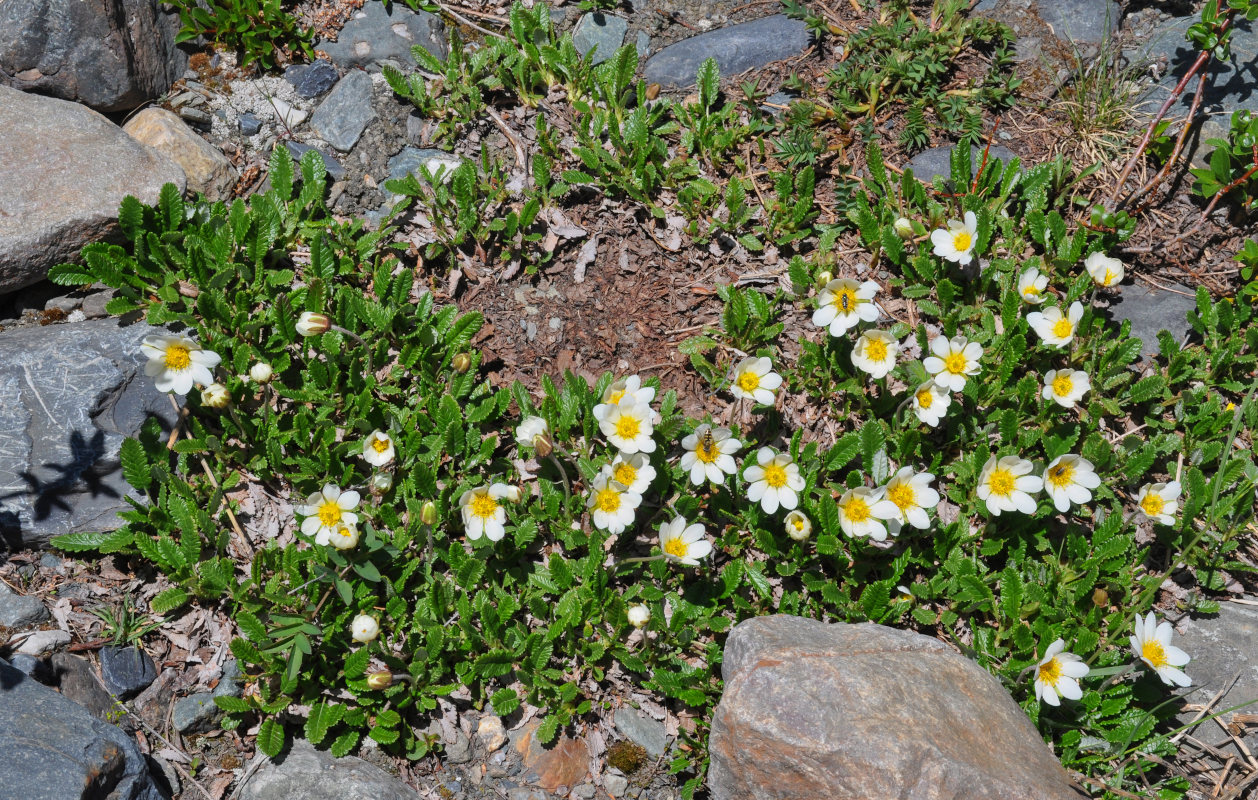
x=736, y=49
x=66, y=169
x=111, y=55
x=1223, y=647
x=378, y=34
x=69, y=395
x=848, y=712
x=312, y=774
x=207, y=170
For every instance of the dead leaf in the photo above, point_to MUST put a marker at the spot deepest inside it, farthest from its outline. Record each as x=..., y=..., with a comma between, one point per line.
x=584, y=258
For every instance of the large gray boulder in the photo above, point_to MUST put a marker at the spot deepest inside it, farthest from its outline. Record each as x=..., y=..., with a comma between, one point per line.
x=111, y=55
x=311, y=774
x=55, y=750
x=1224, y=651
x=847, y=712
x=69, y=395
x=66, y=169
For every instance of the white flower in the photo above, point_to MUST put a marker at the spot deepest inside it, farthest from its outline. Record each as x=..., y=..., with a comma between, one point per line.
x=930, y=403
x=513, y=494
x=176, y=363
x=345, y=537
x=1152, y=644
x=632, y=470
x=755, y=380
x=798, y=526
x=482, y=514
x=856, y=514
x=534, y=432
x=1054, y=327
x=1069, y=479
x=1159, y=501
x=1031, y=286
x=638, y=615
x=875, y=353
x=215, y=396
x=611, y=504
x=774, y=480
x=1105, y=270
x=843, y=303
x=1065, y=387
x=684, y=544
x=327, y=510
x=378, y=449
x=312, y=324
x=261, y=372
x=957, y=243
x=381, y=482
x=630, y=387
x=1005, y=485
x=364, y=628
x=1058, y=674
x=953, y=360
x=627, y=425
x=906, y=498
x=709, y=454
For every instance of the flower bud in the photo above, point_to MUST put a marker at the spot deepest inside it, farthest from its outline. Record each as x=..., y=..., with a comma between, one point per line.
x=312, y=324
x=428, y=513
x=904, y=228
x=535, y=432
x=380, y=680
x=461, y=363
x=215, y=396
x=513, y=493
x=1100, y=598
x=824, y=277
x=364, y=628
x=798, y=526
x=381, y=482
x=260, y=372
x=639, y=615
x=344, y=537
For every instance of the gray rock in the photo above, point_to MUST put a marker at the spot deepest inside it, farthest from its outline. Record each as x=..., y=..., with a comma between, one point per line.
x=311, y=774
x=195, y=713
x=409, y=160
x=585, y=791
x=41, y=642
x=126, y=670
x=736, y=49
x=615, y=783
x=778, y=99
x=642, y=43
x=51, y=561
x=229, y=684
x=110, y=55
x=69, y=395
x=523, y=793
x=335, y=170
x=459, y=749
x=857, y=711
x=19, y=611
x=249, y=124
x=1222, y=646
x=1083, y=22
x=377, y=34
x=312, y=80
x=33, y=667
x=606, y=32
x=77, y=681
x=343, y=116
x=207, y=170
x=94, y=304
x=935, y=164
x=54, y=750
x=1152, y=310
x=66, y=169
x=647, y=733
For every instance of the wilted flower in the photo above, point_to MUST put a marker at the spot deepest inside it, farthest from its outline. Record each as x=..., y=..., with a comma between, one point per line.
x=327, y=510
x=1105, y=270
x=611, y=504
x=1005, y=485
x=1054, y=327
x=755, y=380
x=957, y=242
x=483, y=514
x=632, y=470
x=773, y=481
x=875, y=353
x=798, y=526
x=1058, y=674
x=215, y=396
x=1065, y=387
x=843, y=303
x=638, y=615
x=378, y=449
x=627, y=425
x=1070, y=479
x=930, y=403
x=534, y=432
x=709, y=454
x=906, y=499
x=1031, y=286
x=261, y=372
x=856, y=514
x=953, y=360
x=176, y=363
x=1159, y=501
x=312, y=324
x=630, y=387
x=1152, y=644
x=684, y=544
x=364, y=628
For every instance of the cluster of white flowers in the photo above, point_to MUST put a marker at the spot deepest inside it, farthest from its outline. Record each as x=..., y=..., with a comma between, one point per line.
x=877, y=513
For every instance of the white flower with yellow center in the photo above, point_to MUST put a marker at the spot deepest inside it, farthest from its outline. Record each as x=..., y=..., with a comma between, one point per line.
x=627, y=425
x=957, y=242
x=1054, y=327
x=345, y=537
x=684, y=544
x=843, y=303
x=327, y=510
x=1070, y=479
x=1152, y=644
x=953, y=361
x=755, y=380
x=1057, y=675
x=709, y=454
x=483, y=512
x=1066, y=387
x=1105, y=270
x=630, y=387
x=611, y=504
x=856, y=514
x=175, y=363
x=906, y=499
x=1159, y=501
x=773, y=481
x=1031, y=286
x=930, y=403
x=798, y=526
x=378, y=449
x=1005, y=485
x=875, y=353
x=632, y=470
x=364, y=628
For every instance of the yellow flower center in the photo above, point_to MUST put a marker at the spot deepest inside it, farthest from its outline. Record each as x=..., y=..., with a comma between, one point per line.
x=607, y=500
x=483, y=506
x=329, y=513
x=925, y=398
x=380, y=445
x=856, y=509
x=1109, y=277
x=676, y=547
x=875, y=349
x=615, y=397
x=1031, y=292
x=1154, y=653
x=1063, y=385
x=707, y=451
x=177, y=357
x=1001, y=482
x=1050, y=672
x=627, y=427
x=1152, y=504
x=625, y=474
x=775, y=475
x=845, y=300
x=1062, y=328
x=1061, y=475
x=749, y=381
x=902, y=495
x=955, y=363
x=962, y=241
x=798, y=524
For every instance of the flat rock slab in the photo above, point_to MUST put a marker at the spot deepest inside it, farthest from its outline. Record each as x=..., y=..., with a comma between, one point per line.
x=736, y=49
x=1053, y=35
x=1151, y=310
x=54, y=750
x=606, y=32
x=377, y=34
x=1223, y=647
x=343, y=116
x=204, y=166
x=564, y=762
x=69, y=395
x=308, y=774
x=848, y=712
x=66, y=169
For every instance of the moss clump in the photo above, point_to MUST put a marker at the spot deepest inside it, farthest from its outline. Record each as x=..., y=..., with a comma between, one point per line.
x=626, y=757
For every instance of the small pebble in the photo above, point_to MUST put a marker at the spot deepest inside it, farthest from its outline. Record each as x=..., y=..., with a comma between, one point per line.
x=491, y=733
